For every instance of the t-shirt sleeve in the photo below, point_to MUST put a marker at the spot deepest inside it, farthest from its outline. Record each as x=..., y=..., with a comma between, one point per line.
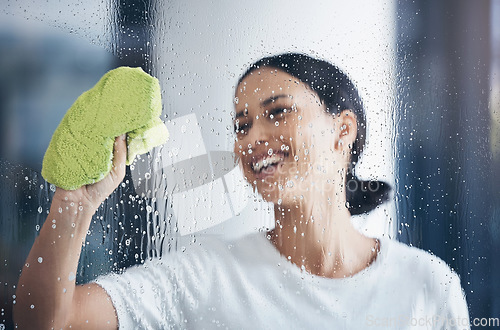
x=456, y=313
x=143, y=296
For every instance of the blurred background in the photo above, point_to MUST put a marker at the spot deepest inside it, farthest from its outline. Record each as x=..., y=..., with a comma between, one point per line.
x=428, y=72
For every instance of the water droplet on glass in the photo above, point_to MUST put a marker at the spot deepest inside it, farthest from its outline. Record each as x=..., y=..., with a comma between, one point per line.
x=40, y=260
x=40, y=209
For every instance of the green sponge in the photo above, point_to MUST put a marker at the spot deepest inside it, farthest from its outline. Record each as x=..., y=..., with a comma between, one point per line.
x=125, y=100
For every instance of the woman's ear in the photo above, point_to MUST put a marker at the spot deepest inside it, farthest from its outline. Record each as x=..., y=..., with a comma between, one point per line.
x=347, y=128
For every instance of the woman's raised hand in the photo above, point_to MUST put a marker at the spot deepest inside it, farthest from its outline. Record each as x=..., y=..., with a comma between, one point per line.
x=92, y=195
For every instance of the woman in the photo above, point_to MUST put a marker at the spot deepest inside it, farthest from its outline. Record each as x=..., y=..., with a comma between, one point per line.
x=300, y=128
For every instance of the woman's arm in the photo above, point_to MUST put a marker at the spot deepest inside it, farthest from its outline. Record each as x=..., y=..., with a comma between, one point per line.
x=46, y=295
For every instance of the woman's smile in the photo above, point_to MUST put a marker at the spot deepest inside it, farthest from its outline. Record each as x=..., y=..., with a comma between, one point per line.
x=266, y=164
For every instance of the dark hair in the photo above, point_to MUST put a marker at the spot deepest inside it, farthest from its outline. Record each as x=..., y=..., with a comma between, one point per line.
x=338, y=93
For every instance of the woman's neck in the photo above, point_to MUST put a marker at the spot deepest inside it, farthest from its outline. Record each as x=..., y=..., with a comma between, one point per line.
x=317, y=236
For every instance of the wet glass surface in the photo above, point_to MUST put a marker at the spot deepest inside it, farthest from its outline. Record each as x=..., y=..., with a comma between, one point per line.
x=428, y=75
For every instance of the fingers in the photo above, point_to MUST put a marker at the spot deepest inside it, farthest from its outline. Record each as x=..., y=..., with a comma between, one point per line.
x=97, y=192
x=119, y=157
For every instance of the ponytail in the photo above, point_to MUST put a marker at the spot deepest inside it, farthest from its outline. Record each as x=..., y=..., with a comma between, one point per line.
x=364, y=196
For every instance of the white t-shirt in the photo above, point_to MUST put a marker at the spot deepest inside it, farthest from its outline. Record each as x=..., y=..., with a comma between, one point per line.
x=247, y=284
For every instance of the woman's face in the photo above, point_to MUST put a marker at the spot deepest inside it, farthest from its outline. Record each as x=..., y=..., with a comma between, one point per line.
x=287, y=143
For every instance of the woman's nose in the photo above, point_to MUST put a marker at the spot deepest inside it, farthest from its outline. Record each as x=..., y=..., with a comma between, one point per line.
x=259, y=133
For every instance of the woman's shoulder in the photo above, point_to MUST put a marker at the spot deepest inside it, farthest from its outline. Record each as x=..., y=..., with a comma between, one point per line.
x=411, y=255
x=417, y=264
x=425, y=278
x=218, y=244
x=217, y=248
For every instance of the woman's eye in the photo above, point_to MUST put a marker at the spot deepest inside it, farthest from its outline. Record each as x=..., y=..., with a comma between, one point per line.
x=278, y=113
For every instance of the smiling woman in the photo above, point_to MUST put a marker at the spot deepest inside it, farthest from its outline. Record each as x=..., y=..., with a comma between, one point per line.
x=303, y=82
x=297, y=147
x=300, y=129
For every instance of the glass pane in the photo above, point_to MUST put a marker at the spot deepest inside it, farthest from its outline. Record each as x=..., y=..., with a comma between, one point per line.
x=257, y=205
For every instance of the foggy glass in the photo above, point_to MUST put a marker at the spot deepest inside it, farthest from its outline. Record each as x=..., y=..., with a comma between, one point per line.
x=430, y=91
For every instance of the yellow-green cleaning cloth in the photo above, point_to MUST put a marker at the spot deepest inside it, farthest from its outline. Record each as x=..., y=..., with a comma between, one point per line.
x=125, y=100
